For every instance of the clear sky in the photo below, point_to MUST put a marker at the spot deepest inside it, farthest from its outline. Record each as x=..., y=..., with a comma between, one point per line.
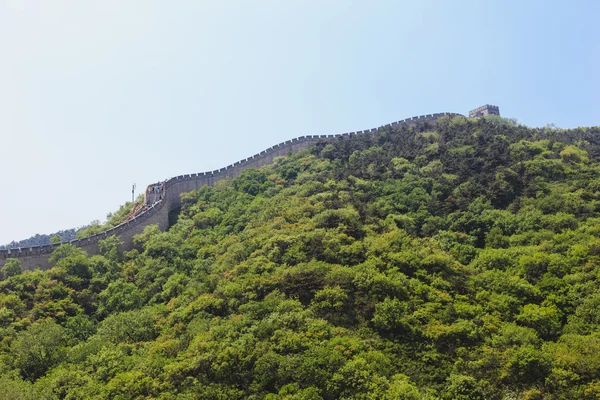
x=97, y=95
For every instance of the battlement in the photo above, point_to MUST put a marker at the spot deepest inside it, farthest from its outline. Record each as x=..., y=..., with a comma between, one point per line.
x=484, y=111
x=158, y=213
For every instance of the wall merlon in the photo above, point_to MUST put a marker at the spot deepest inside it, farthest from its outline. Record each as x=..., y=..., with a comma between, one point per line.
x=33, y=257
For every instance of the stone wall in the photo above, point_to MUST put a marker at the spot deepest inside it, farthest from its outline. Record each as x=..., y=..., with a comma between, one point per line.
x=37, y=257
x=484, y=110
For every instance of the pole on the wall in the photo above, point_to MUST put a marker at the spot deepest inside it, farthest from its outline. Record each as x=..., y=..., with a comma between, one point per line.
x=132, y=192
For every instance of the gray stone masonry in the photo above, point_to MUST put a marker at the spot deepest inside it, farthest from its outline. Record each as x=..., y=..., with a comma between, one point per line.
x=484, y=111
x=158, y=213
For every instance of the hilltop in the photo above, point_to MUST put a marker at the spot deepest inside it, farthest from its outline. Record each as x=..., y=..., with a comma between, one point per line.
x=455, y=261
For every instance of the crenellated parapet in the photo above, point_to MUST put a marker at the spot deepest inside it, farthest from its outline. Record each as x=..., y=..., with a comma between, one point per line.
x=484, y=111
x=158, y=213
x=37, y=256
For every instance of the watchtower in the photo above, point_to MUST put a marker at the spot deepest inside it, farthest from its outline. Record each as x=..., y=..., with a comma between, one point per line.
x=484, y=110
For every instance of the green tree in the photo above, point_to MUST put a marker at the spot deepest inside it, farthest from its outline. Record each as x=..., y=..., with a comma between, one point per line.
x=119, y=296
x=38, y=348
x=12, y=267
x=545, y=320
x=55, y=239
x=129, y=327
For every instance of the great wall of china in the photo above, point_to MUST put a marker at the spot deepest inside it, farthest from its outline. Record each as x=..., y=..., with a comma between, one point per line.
x=158, y=213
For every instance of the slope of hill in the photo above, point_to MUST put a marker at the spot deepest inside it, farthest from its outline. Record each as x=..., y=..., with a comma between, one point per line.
x=456, y=263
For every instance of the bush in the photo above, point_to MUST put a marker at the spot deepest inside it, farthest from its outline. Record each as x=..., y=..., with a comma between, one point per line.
x=11, y=268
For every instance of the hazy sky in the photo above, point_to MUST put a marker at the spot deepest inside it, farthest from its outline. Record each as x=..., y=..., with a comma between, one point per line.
x=96, y=95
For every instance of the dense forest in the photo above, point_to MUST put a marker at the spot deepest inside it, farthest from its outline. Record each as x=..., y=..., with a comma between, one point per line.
x=459, y=261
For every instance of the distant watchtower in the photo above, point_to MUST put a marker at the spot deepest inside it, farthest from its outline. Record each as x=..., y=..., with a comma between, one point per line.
x=484, y=110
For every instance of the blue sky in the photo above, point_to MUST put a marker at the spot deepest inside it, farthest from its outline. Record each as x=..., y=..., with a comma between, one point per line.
x=97, y=95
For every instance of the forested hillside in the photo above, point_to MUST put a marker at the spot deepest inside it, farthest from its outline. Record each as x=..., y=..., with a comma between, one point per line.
x=455, y=262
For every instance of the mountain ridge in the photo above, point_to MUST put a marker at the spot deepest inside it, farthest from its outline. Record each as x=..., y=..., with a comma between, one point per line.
x=32, y=257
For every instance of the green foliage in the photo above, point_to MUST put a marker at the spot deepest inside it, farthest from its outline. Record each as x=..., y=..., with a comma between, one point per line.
x=129, y=327
x=454, y=262
x=93, y=228
x=112, y=219
x=38, y=348
x=252, y=182
x=391, y=316
x=11, y=268
x=55, y=239
x=15, y=388
x=545, y=320
x=119, y=296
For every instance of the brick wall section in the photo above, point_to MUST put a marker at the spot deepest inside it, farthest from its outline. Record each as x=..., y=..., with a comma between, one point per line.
x=37, y=257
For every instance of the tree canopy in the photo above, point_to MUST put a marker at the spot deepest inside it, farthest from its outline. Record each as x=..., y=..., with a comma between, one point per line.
x=455, y=261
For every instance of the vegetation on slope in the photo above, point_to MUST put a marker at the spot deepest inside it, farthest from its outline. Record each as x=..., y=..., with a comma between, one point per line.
x=459, y=262
x=112, y=219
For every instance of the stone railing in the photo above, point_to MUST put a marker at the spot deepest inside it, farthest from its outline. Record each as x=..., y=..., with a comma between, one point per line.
x=158, y=213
